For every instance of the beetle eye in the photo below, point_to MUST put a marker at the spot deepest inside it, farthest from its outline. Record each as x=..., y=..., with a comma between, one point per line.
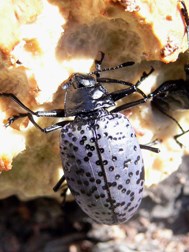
x=86, y=83
x=66, y=85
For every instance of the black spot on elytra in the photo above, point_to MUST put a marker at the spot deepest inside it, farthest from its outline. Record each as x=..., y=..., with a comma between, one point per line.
x=117, y=176
x=86, y=159
x=75, y=148
x=128, y=181
x=82, y=132
x=86, y=182
x=98, y=181
x=119, y=187
x=130, y=174
x=111, y=168
x=88, y=174
x=123, y=190
x=100, y=174
x=89, y=154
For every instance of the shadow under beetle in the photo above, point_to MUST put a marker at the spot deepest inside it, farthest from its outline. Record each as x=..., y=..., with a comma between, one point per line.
x=101, y=156
x=173, y=95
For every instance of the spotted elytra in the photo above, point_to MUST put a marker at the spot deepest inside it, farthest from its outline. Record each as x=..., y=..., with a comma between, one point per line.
x=101, y=156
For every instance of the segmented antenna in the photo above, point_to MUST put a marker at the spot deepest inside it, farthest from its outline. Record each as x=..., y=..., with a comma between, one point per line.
x=98, y=64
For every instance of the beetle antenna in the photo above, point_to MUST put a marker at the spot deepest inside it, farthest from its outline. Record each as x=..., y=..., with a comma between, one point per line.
x=98, y=64
x=125, y=64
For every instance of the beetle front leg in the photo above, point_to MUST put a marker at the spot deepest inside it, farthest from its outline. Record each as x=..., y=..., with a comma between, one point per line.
x=129, y=105
x=117, y=95
x=14, y=98
x=11, y=119
x=52, y=113
x=30, y=117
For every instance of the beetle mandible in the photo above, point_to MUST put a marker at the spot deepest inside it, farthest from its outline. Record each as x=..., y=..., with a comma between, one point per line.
x=101, y=156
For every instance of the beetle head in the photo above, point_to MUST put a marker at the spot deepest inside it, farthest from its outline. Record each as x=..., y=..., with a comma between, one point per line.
x=84, y=94
x=78, y=80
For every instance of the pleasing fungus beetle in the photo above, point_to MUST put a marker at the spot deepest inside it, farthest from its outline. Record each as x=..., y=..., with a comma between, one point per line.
x=101, y=157
x=173, y=95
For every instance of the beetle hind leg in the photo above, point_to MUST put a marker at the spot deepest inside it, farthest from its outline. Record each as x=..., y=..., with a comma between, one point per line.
x=60, y=186
x=179, y=135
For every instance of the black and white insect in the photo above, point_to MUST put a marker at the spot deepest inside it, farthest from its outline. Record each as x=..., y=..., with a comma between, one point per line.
x=101, y=156
x=173, y=95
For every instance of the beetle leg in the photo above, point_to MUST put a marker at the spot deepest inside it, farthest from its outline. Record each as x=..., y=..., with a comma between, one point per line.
x=63, y=194
x=116, y=95
x=144, y=76
x=59, y=183
x=30, y=117
x=129, y=105
x=177, y=123
x=133, y=88
x=109, y=80
x=50, y=128
x=169, y=116
x=14, y=98
x=52, y=113
x=149, y=146
x=179, y=135
x=13, y=118
x=55, y=126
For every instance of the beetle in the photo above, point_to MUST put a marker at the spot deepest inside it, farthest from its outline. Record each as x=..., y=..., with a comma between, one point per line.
x=101, y=156
x=173, y=95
